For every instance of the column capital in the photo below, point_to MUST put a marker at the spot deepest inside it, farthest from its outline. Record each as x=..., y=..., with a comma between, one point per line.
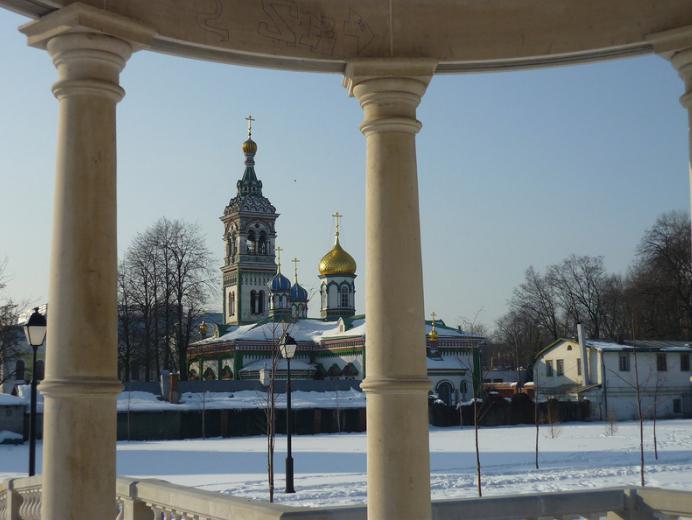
x=676, y=46
x=82, y=18
x=389, y=90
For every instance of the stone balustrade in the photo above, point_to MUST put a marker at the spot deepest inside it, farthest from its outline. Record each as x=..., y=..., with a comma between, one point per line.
x=149, y=499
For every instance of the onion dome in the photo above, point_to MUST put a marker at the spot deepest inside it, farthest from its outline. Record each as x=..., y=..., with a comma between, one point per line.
x=337, y=261
x=249, y=147
x=280, y=283
x=298, y=293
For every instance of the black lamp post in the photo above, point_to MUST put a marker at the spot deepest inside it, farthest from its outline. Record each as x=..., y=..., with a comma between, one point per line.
x=35, y=332
x=288, y=348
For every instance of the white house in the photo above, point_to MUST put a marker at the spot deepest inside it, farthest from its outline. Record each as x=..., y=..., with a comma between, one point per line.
x=607, y=373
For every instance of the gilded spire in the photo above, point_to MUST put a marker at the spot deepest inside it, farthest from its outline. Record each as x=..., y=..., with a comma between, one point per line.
x=249, y=184
x=433, y=333
x=337, y=220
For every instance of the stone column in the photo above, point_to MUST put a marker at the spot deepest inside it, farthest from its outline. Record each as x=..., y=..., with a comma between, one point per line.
x=397, y=385
x=81, y=383
x=676, y=46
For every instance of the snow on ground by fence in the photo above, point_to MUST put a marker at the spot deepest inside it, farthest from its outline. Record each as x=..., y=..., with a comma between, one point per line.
x=330, y=469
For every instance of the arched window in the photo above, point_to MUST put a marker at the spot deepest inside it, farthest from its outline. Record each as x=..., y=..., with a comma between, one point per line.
x=444, y=392
x=251, y=243
x=345, y=293
x=464, y=387
x=262, y=245
x=253, y=301
x=324, y=296
x=260, y=303
x=226, y=373
x=209, y=374
x=231, y=304
x=19, y=370
x=231, y=246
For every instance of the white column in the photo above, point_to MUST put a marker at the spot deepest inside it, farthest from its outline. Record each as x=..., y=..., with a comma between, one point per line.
x=676, y=46
x=389, y=91
x=81, y=382
x=682, y=61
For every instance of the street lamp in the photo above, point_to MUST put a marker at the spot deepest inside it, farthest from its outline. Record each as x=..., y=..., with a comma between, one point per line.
x=288, y=348
x=35, y=332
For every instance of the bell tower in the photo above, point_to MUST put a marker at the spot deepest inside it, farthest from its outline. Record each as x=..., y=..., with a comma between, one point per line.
x=249, y=235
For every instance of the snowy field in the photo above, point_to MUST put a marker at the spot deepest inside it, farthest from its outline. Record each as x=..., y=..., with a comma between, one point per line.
x=330, y=469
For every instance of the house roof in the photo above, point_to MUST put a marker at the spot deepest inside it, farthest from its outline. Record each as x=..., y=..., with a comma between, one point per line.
x=605, y=345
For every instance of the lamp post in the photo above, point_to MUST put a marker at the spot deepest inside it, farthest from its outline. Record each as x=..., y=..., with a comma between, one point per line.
x=35, y=332
x=288, y=348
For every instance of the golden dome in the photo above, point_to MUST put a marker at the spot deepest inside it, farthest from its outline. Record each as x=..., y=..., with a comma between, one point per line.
x=249, y=147
x=337, y=262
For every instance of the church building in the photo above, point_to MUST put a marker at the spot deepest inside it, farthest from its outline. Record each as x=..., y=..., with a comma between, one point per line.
x=260, y=304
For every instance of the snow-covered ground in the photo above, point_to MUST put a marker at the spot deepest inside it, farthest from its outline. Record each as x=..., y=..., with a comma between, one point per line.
x=330, y=469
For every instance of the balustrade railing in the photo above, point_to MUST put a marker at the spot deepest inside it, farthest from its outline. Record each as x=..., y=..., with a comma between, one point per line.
x=149, y=499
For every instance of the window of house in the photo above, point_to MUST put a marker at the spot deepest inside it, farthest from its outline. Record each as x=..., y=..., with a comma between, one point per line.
x=560, y=367
x=677, y=406
x=624, y=362
x=549, y=368
x=262, y=244
x=253, y=301
x=685, y=362
x=578, y=366
x=231, y=304
x=260, y=303
x=661, y=364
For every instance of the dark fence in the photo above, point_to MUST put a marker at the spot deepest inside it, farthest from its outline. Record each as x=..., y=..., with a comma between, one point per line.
x=305, y=385
x=159, y=425
x=498, y=411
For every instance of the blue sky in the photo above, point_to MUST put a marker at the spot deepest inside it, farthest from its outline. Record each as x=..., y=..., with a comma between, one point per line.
x=515, y=169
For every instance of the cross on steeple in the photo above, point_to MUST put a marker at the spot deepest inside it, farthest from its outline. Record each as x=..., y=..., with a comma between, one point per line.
x=295, y=267
x=278, y=258
x=337, y=218
x=433, y=316
x=249, y=120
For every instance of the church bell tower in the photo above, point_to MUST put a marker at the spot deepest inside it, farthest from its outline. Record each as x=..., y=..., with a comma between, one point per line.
x=249, y=235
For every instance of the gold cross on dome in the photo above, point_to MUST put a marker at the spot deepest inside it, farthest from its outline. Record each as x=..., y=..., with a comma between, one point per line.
x=249, y=120
x=433, y=316
x=337, y=217
x=295, y=267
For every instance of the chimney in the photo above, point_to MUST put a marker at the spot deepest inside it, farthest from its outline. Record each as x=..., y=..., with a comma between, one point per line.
x=584, y=359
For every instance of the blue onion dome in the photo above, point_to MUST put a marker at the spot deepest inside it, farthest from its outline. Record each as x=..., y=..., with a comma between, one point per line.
x=298, y=294
x=280, y=283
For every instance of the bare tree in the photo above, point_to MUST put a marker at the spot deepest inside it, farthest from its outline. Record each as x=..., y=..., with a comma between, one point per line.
x=9, y=330
x=165, y=281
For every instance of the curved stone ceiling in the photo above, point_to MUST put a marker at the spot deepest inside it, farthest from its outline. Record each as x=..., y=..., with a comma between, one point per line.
x=464, y=35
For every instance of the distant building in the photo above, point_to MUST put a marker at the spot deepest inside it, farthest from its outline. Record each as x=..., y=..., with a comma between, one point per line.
x=605, y=374
x=260, y=303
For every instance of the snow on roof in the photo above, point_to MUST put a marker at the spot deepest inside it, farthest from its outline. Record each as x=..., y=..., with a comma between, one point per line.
x=10, y=400
x=314, y=330
x=648, y=345
x=450, y=363
x=265, y=364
